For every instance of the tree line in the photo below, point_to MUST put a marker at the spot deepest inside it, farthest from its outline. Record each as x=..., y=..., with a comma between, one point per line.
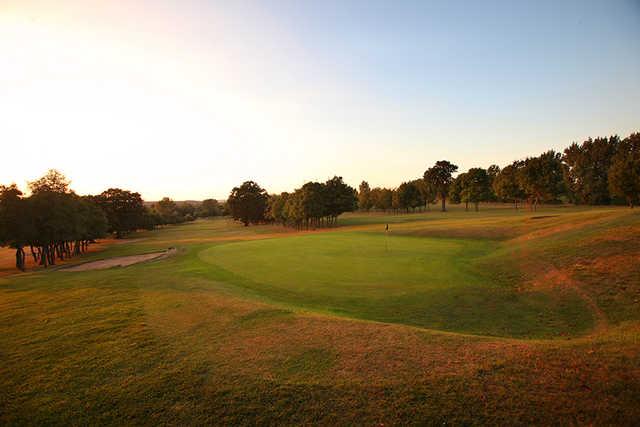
x=54, y=223
x=598, y=171
x=315, y=204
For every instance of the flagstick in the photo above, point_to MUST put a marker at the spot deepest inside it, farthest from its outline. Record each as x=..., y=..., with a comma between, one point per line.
x=386, y=238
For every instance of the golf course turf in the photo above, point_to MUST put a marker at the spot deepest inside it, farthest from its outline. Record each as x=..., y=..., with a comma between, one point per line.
x=428, y=282
x=460, y=317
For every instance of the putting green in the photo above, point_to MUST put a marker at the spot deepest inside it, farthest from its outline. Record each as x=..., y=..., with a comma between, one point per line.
x=427, y=282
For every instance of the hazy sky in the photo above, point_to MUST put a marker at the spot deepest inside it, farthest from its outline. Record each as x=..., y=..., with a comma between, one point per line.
x=189, y=98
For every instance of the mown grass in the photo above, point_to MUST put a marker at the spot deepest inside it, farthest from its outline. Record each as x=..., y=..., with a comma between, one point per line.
x=427, y=282
x=201, y=338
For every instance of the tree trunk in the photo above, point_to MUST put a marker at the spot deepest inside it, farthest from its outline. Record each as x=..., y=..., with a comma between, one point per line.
x=20, y=258
x=444, y=208
x=52, y=255
x=477, y=203
x=44, y=256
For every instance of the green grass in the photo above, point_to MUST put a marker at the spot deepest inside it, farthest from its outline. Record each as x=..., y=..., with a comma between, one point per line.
x=425, y=282
x=459, y=318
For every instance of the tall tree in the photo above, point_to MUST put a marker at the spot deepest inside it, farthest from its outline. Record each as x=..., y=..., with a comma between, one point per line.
x=276, y=208
x=476, y=186
x=339, y=198
x=248, y=203
x=364, y=196
x=542, y=177
x=587, y=167
x=492, y=171
x=208, y=208
x=168, y=210
x=395, y=200
x=14, y=222
x=506, y=185
x=455, y=189
x=53, y=181
x=381, y=198
x=427, y=192
x=440, y=177
x=314, y=203
x=125, y=210
x=386, y=199
x=624, y=173
x=409, y=196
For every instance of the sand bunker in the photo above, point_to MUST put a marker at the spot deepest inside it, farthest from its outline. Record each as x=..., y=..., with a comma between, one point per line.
x=121, y=261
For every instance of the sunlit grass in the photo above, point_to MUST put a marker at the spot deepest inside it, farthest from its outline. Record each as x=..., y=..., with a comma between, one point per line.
x=232, y=330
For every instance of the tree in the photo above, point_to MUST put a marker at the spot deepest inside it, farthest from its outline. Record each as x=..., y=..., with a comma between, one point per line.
x=395, y=200
x=14, y=222
x=506, y=185
x=168, y=210
x=624, y=173
x=427, y=192
x=386, y=199
x=209, y=208
x=53, y=181
x=475, y=186
x=541, y=178
x=381, y=198
x=276, y=208
x=587, y=167
x=95, y=223
x=314, y=204
x=440, y=177
x=53, y=222
x=455, y=189
x=492, y=171
x=339, y=198
x=293, y=209
x=364, y=196
x=248, y=203
x=124, y=209
x=185, y=212
x=409, y=196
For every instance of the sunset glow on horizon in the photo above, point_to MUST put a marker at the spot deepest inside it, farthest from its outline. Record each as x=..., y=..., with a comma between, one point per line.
x=187, y=99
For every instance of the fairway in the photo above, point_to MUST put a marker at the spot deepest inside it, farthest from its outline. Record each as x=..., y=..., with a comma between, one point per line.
x=460, y=318
x=427, y=282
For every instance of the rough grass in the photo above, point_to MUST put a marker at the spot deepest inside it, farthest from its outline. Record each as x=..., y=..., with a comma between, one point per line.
x=176, y=342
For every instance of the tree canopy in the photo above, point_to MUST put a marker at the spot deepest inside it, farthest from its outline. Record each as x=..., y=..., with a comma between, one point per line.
x=587, y=169
x=53, y=222
x=248, y=203
x=125, y=210
x=440, y=176
x=313, y=205
x=624, y=173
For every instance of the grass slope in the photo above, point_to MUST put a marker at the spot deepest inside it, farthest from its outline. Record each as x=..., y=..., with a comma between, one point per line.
x=200, y=338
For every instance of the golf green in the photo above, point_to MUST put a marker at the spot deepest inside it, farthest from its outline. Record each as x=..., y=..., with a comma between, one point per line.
x=428, y=282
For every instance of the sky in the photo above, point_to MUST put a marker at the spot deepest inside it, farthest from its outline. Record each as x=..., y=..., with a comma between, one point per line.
x=189, y=98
